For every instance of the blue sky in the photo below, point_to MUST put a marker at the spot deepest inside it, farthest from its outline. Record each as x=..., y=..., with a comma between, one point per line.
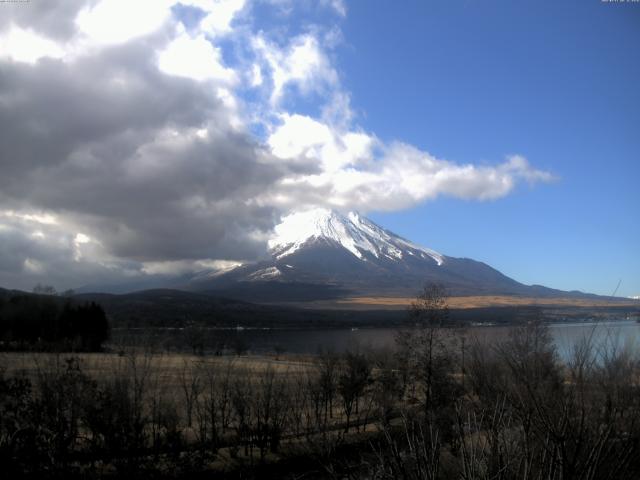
x=475, y=81
x=557, y=82
x=502, y=131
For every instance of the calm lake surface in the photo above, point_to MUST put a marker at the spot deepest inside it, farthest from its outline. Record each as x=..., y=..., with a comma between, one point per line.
x=621, y=333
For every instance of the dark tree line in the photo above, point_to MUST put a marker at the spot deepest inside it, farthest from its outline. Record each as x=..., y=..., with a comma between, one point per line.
x=46, y=322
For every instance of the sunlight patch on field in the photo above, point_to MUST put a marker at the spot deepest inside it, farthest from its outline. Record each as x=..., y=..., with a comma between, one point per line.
x=480, y=301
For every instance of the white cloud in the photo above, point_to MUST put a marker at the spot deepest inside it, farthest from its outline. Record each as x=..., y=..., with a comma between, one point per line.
x=81, y=238
x=358, y=171
x=178, y=267
x=229, y=100
x=302, y=64
x=194, y=58
x=221, y=14
x=413, y=176
x=256, y=76
x=33, y=266
x=117, y=21
x=337, y=5
x=24, y=45
x=519, y=166
x=78, y=241
x=300, y=136
x=37, y=217
x=337, y=111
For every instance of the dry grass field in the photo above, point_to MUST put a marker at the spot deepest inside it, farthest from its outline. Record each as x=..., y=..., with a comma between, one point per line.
x=151, y=414
x=170, y=368
x=484, y=301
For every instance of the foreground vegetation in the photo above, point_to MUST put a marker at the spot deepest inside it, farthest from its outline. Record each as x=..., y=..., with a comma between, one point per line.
x=440, y=406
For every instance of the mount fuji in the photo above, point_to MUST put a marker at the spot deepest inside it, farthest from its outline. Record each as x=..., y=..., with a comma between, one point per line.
x=321, y=253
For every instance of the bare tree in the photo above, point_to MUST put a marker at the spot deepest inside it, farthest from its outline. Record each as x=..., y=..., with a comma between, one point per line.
x=354, y=378
x=426, y=352
x=328, y=379
x=191, y=388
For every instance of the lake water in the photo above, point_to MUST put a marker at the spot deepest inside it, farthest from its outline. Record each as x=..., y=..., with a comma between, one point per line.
x=621, y=333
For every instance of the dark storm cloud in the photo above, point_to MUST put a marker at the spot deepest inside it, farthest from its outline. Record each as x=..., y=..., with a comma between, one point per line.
x=31, y=251
x=117, y=150
x=52, y=108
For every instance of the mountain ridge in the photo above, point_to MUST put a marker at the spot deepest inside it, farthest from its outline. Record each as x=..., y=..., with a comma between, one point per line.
x=351, y=255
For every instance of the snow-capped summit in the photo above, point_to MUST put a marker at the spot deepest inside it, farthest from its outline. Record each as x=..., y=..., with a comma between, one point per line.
x=353, y=232
x=322, y=253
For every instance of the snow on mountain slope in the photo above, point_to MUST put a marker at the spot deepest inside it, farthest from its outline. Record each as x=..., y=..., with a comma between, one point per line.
x=319, y=250
x=353, y=232
x=268, y=273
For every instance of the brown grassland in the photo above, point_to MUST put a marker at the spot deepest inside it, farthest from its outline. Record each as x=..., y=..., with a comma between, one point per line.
x=479, y=301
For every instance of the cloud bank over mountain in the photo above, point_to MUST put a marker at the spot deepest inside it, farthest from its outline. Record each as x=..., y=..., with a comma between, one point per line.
x=152, y=137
